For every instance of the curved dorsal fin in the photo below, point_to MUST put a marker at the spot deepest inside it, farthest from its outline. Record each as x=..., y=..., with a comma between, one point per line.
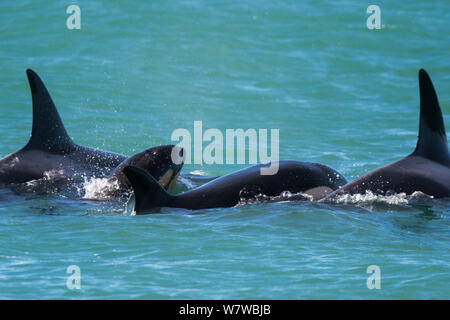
x=432, y=142
x=48, y=131
x=148, y=193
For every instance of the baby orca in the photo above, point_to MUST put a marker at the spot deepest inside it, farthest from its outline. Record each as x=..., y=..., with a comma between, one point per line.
x=426, y=170
x=227, y=191
x=157, y=161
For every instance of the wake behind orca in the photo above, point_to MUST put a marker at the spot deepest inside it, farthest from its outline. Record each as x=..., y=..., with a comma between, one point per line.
x=426, y=170
x=50, y=150
x=312, y=179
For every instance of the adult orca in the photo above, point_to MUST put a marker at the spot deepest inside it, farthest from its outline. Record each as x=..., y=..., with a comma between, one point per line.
x=50, y=149
x=427, y=169
x=227, y=191
x=157, y=161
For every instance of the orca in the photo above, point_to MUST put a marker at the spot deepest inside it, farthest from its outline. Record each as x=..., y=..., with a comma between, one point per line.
x=427, y=169
x=50, y=149
x=157, y=161
x=312, y=179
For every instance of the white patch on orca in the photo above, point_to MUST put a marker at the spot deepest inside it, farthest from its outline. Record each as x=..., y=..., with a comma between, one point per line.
x=165, y=179
x=319, y=192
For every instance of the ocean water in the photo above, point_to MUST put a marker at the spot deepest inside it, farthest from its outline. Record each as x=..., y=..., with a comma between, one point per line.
x=339, y=93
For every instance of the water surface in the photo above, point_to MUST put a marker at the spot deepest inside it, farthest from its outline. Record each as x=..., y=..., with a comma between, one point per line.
x=340, y=94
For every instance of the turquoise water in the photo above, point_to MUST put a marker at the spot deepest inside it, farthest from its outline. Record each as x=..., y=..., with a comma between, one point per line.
x=340, y=94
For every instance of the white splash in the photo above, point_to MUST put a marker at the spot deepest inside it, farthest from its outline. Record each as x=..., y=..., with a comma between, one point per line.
x=99, y=188
x=198, y=173
x=48, y=176
x=13, y=162
x=188, y=183
x=372, y=198
x=285, y=196
x=53, y=174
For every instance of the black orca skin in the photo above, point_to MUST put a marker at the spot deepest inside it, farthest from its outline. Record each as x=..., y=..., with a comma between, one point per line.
x=227, y=191
x=427, y=169
x=50, y=149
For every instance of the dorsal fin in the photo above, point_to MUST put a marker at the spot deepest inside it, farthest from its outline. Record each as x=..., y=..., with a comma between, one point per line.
x=148, y=193
x=432, y=142
x=48, y=131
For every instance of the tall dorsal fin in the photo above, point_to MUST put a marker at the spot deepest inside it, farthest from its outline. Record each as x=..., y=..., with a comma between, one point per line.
x=48, y=131
x=432, y=142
